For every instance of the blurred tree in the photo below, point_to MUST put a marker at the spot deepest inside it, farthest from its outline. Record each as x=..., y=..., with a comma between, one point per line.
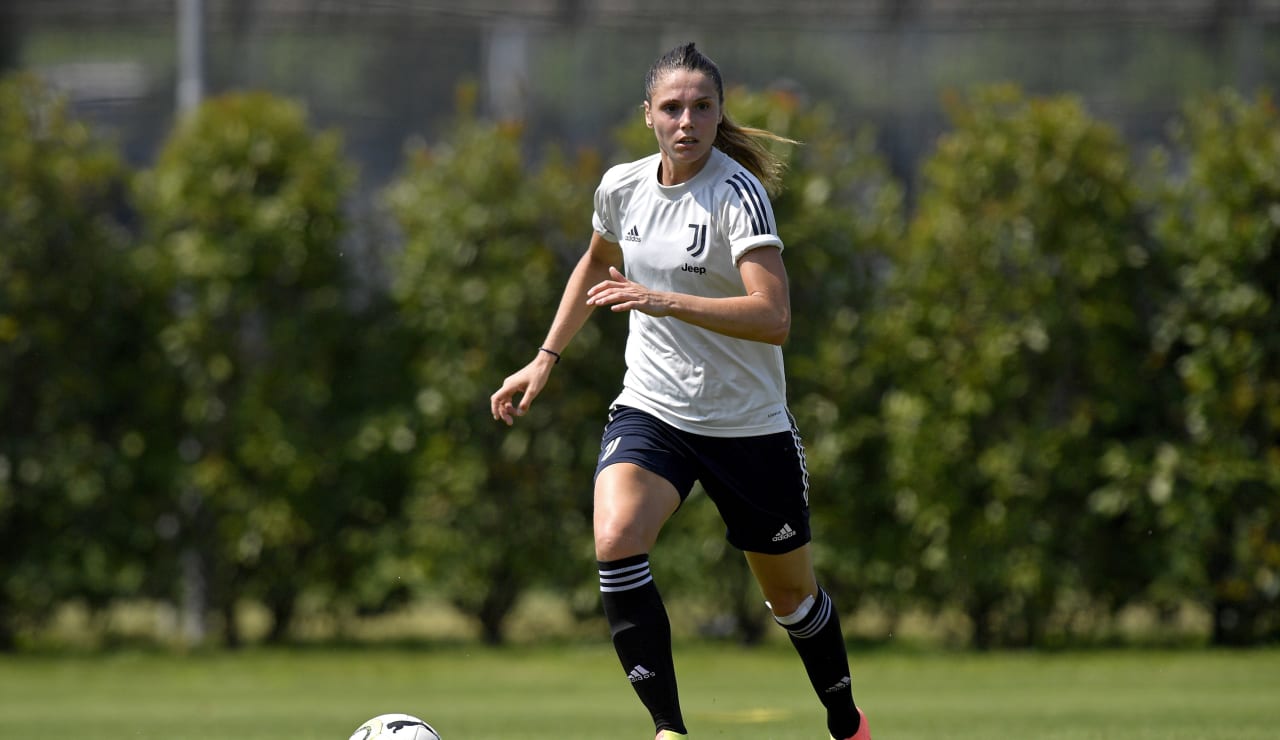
x=1219, y=222
x=244, y=219
x=1014, y=330
x=489, y=241
x=366, y=565
x=85, y=423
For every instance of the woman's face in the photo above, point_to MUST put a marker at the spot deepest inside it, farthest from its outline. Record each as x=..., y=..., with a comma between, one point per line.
x=684, y=112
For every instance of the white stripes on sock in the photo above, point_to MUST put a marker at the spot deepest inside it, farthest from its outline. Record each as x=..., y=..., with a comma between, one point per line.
x=810, y=623
x=625, y=578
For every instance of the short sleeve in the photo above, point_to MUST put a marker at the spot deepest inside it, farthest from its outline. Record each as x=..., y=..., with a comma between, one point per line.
x=604, y=218
x=748, y=216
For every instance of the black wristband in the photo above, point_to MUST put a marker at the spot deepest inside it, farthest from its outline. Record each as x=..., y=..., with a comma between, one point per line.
x=553, y=353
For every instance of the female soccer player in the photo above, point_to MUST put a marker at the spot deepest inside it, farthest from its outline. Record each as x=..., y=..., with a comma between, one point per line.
x=704, y=396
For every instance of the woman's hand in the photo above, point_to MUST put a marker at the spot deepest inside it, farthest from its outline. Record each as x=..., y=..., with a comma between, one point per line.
x=621, y=294
x=527, y=382
x=762, y=314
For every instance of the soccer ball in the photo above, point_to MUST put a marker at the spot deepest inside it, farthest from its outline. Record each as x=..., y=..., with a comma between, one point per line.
x=395, y=727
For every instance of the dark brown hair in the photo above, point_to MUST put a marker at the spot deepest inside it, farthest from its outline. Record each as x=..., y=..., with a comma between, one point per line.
x=743, y=143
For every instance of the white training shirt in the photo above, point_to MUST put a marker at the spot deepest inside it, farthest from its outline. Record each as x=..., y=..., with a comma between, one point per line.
x=688, y=238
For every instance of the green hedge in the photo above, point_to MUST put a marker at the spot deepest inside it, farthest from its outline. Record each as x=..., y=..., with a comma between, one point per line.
x=1039, y=391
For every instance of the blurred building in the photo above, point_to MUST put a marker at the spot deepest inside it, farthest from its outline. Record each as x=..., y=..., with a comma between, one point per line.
x=387, y=71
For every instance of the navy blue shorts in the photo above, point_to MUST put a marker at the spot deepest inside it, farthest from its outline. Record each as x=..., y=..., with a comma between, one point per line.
x=759, y=484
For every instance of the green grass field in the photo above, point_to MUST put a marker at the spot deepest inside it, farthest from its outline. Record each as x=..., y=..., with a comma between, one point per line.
x=578, y=692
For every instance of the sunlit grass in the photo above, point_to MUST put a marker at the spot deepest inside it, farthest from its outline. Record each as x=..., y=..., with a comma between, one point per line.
x=579, y=692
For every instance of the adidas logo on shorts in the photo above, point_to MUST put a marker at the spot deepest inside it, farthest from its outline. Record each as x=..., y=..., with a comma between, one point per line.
x=785, y=533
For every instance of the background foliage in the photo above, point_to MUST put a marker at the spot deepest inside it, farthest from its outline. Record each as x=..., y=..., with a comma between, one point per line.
x=86, y=452
x=1041, y=391
x=1219, y=331
x=1016, y=309
x=488, y=244
x=243, y=222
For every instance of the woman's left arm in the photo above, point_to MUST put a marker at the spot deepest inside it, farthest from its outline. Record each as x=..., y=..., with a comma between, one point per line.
x=763, y=314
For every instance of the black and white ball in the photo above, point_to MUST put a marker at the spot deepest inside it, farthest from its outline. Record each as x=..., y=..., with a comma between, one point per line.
x=395, y=727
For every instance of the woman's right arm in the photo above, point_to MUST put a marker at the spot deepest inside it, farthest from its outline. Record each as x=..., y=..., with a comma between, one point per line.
x=528, y=381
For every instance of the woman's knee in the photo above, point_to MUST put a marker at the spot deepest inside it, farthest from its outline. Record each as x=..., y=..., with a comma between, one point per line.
x=788, y=602
x=785, y=580
x=631, y=507
x=615, y=541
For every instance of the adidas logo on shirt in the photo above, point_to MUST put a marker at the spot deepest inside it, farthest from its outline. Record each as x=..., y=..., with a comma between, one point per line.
x=640, y=673
x=785, y=533
x=633, y=235
x=843, y=684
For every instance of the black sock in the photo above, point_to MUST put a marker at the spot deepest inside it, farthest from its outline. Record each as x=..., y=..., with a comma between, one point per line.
x=818, y=639
x=642, y=637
